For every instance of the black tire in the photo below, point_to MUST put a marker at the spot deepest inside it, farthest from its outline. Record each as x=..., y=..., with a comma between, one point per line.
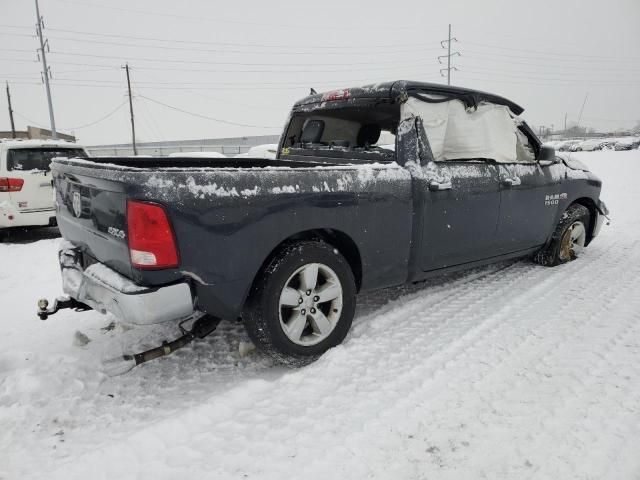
x=262, y=316
x=560, y=249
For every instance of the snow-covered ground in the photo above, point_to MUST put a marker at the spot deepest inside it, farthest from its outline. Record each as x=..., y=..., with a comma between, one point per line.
x=512, y=371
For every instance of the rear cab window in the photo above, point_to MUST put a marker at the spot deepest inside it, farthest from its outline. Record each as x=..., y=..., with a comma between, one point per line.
x=346, y=132
x=29, y=159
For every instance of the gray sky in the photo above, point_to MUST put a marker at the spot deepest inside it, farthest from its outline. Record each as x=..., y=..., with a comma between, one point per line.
x=245, y=61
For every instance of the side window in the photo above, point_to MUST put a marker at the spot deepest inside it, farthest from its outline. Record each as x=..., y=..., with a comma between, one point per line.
x=525, y=152
x=458, y=133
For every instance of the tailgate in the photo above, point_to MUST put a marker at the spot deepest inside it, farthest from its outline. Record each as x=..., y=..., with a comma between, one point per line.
x=92, y=214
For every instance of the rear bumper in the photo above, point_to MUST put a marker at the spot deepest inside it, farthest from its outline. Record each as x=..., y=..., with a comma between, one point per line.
x=105, y=290
x=12, y=217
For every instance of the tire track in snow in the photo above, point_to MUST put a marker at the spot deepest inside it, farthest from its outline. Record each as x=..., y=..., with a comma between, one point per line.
x=405, y=387
x=569, y=391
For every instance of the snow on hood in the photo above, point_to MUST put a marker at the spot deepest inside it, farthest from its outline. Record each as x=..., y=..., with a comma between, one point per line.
x=572, y=162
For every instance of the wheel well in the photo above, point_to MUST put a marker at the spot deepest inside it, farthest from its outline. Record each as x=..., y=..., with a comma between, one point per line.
x=340, y=240
x=593, y=215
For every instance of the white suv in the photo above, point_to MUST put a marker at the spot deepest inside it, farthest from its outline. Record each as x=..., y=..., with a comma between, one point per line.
x=26, y=193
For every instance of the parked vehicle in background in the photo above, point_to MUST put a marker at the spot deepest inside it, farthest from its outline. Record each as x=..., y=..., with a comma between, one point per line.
x=596, y=144
x=566, y=145
x=268, y=150
x=26, y=196
x=287, y=243
x=197, y=155
x=627, y=144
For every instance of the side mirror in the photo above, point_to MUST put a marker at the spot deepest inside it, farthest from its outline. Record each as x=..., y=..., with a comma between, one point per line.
x=547, y=156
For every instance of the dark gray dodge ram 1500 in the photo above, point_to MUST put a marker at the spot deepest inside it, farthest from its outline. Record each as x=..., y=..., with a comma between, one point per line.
x=372, y=187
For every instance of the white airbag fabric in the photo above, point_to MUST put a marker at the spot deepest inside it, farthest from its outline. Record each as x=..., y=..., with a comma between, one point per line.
x=457, y=133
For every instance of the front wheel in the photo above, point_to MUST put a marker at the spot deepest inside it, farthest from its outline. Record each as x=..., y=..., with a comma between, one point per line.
x=568, y=238
x=302, y=304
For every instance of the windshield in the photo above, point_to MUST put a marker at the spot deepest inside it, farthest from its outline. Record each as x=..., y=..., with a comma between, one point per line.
x=25, y=159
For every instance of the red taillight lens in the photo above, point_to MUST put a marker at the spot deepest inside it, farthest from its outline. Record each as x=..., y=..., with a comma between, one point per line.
x=11, y=184
x=151, y=241
x=336, y=95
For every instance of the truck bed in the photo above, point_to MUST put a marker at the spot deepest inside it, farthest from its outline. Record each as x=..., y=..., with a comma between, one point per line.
x=228, y=215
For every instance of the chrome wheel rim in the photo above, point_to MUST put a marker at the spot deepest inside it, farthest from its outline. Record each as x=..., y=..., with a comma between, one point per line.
x=573, y=241
x=310, y=304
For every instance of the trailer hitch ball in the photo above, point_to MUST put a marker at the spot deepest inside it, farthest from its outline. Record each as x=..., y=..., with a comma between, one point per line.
x=43, y=303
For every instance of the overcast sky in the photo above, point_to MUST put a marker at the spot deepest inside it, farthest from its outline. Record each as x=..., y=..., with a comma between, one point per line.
x=245, y=62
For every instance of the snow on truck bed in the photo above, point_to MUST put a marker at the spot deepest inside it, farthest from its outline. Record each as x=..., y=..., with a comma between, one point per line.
x=513, y=371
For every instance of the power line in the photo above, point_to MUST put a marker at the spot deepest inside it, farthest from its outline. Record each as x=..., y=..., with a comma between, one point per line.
x=224, y=84
x=245, y=52
x=101, y=119
x=79, y=127
x=20, y=50
x=32, y=122
x=570, y=76
x=16, y=26
x=217, y=20
x=367, y=47
x=202, y=62
x=541, y=58
x=484, y=57
x=205, y=116
x=305, y=85
x=282, y=68
x=564, y=54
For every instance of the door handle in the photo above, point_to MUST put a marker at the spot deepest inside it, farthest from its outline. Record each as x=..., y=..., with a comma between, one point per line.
x=435, y=186
x=511, y=181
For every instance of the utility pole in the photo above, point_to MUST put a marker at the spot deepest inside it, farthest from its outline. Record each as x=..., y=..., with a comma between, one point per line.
x=133, y=126
x=448, y=56
x=13, y=127
x=47, y=72
x=565, y=122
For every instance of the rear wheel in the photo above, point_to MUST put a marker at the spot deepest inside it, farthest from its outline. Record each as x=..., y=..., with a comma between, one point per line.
x=568, y=239
x=302, y=304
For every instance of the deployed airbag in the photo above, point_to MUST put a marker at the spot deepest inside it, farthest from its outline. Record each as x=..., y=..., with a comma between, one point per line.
x=455, y=132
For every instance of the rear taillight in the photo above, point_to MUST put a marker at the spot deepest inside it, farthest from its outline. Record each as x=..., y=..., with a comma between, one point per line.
x=151, y=240
x=11, y=184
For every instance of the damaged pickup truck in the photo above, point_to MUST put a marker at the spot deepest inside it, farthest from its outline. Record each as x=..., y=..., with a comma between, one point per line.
x=372, y=187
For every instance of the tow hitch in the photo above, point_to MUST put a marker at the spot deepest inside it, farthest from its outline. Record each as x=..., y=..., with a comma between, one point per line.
x=59, y=303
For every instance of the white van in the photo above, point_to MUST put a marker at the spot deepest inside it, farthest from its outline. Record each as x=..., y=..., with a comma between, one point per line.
x=26, y=192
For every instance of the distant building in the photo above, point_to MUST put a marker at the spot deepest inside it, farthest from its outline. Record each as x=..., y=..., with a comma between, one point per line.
x=36, y=133
x=230, y=146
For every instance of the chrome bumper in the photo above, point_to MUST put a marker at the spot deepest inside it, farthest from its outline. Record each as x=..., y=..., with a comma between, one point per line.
x=105, y=290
